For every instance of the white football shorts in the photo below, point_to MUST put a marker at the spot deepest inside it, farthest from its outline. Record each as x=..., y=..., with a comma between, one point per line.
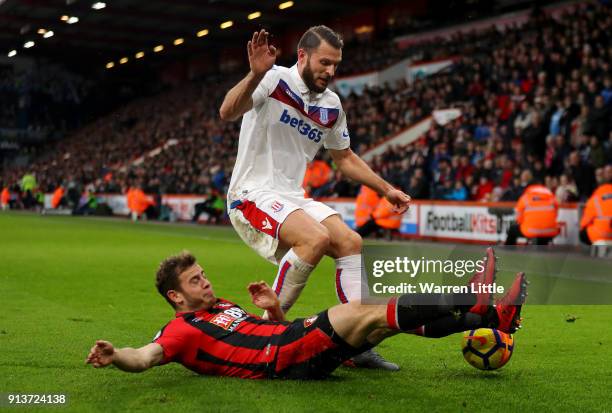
x=258, y=216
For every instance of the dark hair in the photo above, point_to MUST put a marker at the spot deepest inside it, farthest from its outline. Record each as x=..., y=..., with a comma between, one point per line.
x=168, y=272
x=312, y=38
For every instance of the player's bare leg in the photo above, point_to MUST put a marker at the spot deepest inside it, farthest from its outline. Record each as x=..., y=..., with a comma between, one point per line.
x=381, y=334
x=360, y=324
x=307, y=241
x=354, y=322
x=308, y=238
x=345, y=247
x=343, y=240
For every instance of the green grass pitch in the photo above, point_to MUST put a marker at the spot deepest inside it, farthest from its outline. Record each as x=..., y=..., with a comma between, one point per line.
x=65, y=282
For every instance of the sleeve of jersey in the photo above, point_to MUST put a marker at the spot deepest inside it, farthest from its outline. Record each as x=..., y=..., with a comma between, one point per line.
x=265, y=87
x=339, y=137
x=173, y=339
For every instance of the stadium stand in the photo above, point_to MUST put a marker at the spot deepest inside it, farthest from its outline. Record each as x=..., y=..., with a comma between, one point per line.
x=536, y=97
x=44, y=99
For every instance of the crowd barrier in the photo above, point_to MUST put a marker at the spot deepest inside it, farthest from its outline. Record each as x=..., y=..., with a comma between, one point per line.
x=471, y=222
x=477, y=222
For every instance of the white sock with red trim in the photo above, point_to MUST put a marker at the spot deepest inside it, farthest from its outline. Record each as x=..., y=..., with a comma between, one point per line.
x=348, y=278
x=291, y=279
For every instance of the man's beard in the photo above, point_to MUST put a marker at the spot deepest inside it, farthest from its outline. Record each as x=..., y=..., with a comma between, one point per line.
x=309, y=80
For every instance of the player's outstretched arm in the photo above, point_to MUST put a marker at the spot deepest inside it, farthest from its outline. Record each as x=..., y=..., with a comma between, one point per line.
x=133, y=360
x=353, y=167
x=265, y=298
x=239, y=99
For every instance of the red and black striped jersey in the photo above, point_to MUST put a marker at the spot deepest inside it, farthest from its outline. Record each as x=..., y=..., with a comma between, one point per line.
x=224, y=340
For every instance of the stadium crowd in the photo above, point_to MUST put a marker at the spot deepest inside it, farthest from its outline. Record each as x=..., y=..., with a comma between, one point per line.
x=536, y=98
x=43, y=99
x=536, y=102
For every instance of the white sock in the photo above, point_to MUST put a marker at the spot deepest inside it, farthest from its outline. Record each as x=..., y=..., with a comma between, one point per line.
x=348, y=278
x=291, y=279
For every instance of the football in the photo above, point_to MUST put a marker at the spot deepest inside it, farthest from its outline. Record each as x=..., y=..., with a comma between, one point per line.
x=487, y=348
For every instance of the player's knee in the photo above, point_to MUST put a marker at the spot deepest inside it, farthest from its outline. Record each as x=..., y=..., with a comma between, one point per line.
x=354, y=242
x=319, y=240
x=349, y=243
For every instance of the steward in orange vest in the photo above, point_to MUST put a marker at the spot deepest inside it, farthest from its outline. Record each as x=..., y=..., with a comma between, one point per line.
x=596, y=222
x=373, y=213
x=536, y=216
x=385, y=216
x=58, y=195
x=5, y=198
x=139, y=203
x=366, y=203
x=318, y=173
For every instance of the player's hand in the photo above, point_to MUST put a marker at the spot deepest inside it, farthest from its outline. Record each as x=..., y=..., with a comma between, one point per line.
x=262, y=295
x=261, y=55
x=399, y=200
x=101, y=354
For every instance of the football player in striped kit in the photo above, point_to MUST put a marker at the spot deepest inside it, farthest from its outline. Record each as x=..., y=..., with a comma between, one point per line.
x=213, y=336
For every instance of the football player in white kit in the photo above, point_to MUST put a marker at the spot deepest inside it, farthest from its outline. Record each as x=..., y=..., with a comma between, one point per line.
x=287, y=115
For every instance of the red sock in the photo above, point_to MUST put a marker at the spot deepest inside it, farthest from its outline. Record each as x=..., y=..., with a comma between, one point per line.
x=392, y=314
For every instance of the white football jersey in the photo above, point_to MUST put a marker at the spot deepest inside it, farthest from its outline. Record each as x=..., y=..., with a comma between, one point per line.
x=283, y=132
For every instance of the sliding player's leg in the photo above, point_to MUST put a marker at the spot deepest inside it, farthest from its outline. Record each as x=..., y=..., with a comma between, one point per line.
x=316, y=346
x=361, y=324
x=356, y=323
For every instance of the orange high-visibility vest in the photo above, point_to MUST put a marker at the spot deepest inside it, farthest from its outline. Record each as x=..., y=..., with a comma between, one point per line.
x=366, y=203
x=57, y=197
x=5, y=196
x=536, y=212
x=141, y=201
x=317, y=174
x=385, y=216
x=305, y=182
x=129, y=198
x=597, y=215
